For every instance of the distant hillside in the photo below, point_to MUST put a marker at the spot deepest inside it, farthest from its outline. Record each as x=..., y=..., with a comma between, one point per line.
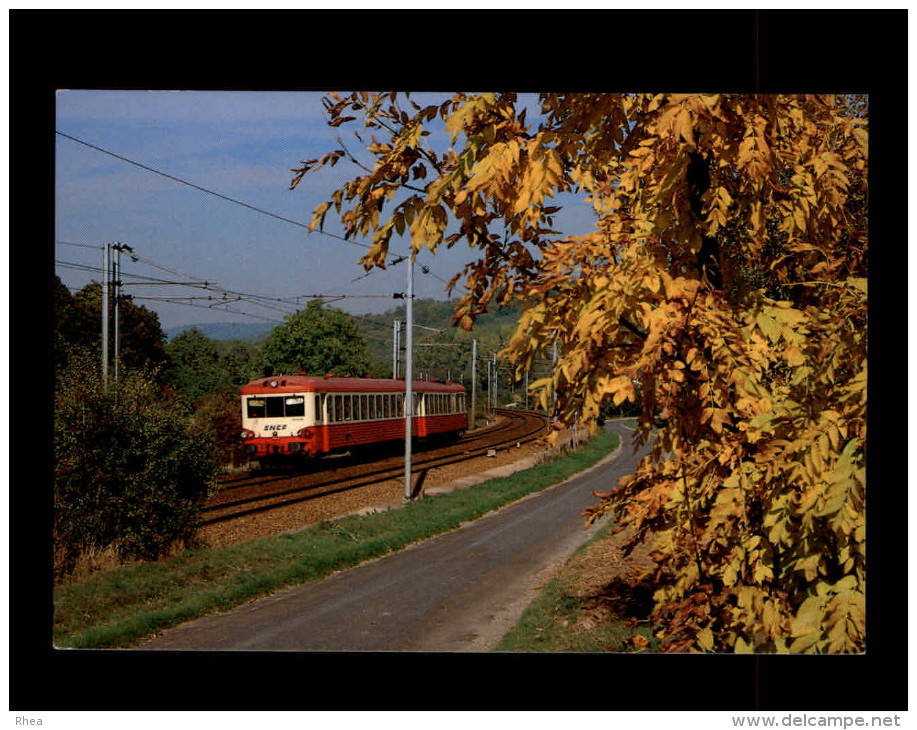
x=441, y=348
x=226, y=331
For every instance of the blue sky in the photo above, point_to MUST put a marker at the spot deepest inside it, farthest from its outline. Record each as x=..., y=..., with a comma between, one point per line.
x=242, y=146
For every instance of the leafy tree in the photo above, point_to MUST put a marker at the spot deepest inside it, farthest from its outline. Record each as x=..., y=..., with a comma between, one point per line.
x=194, y=367
x=78, y=326
x=725, y=275
x=132, y=466
x=317, y=340
x=239, y=362
x=207, y=373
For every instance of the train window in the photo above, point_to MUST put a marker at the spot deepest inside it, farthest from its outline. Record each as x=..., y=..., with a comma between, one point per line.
x=295, y=406
x=345, y=399
x=255, y=407
x=338, y=408
x=318, y=409
x=364, y=407
x=274, y=407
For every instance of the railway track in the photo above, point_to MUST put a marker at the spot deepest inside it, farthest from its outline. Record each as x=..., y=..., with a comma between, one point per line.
x=268, y=491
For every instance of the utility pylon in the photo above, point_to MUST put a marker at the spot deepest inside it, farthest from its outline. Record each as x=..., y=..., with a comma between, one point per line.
x=474, y=377
x=396, y=331
x=408, y=378
x=106, y=261
x=116, y=282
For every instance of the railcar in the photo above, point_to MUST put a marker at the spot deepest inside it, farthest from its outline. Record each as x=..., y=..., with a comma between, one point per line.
x=308, y=416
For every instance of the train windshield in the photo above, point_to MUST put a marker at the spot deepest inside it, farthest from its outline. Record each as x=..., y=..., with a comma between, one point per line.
x=276, y=406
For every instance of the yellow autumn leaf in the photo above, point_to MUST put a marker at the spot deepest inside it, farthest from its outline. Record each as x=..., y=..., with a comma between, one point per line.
x=621, y=388
x=705, y=639
x=318, y=217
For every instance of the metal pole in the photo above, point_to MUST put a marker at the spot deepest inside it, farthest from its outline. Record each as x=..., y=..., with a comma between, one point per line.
x=495, y=381
x=474, y=377
x=106, y=254
x=117, y=295
x=489, y=381
x=395, y=329
x=408, y=378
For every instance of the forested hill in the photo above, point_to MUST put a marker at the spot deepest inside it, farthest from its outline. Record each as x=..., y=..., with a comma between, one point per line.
x=442, y=349
x=247, y=331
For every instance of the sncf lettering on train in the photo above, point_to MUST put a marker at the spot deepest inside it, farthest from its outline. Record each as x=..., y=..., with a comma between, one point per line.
x=282, y=427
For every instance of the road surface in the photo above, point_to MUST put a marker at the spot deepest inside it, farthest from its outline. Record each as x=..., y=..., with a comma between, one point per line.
x=459, y=592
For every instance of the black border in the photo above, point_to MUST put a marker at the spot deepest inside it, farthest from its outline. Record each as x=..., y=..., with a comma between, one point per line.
x=739, y=51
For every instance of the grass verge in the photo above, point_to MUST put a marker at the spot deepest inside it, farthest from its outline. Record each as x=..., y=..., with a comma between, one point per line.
x=566, y=618
x=123, y=607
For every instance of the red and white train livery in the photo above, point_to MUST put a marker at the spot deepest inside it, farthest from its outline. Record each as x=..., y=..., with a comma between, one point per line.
x=302, y=415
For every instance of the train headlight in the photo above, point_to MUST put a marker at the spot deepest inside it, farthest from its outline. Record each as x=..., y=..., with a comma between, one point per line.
x=246, y=434
x=304, y=433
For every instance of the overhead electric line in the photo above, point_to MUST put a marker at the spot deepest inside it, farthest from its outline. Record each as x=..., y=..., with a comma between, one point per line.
x=258, y=301
x=202, y=189
x=397, y=257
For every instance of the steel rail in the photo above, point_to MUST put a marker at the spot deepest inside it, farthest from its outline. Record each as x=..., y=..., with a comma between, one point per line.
x=520, y=427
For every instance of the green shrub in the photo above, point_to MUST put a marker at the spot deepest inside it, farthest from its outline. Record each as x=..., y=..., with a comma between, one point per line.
x=132, y=466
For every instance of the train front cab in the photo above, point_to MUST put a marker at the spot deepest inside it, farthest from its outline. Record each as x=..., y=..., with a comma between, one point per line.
x=278, y=425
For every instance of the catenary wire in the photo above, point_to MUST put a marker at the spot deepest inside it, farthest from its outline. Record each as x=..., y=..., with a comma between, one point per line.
x=205, y=190
x=396, y=260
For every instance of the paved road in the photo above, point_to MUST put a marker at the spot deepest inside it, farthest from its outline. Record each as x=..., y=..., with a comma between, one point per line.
x=458, y=592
